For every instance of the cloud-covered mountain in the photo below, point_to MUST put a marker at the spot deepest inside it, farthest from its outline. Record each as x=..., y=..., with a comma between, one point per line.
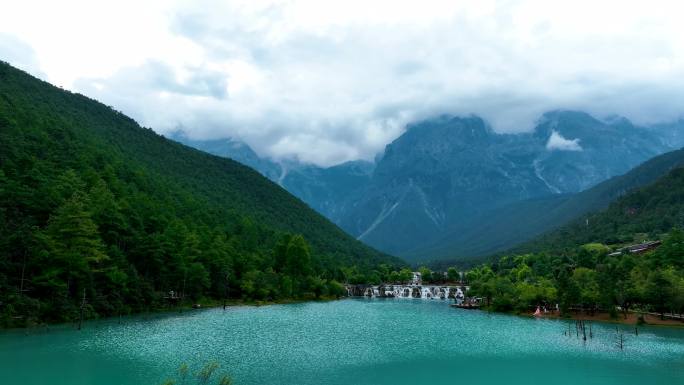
x=582, y=151
x=233, y=149
x=327, y=190
x=444, y=172
x=447, y=175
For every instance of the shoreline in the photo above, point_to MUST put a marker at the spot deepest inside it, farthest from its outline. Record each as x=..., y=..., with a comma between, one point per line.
x=603, y=317
x=632, y=319
x=210, y=304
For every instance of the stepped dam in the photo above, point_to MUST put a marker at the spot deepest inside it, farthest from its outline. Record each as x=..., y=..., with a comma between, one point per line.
x=455, y=292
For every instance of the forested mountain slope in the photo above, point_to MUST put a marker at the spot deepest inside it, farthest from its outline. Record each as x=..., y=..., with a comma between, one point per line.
x=519, y=222
x=329, y=190
x=642, y=214
x=92, y=204
x=590, y=266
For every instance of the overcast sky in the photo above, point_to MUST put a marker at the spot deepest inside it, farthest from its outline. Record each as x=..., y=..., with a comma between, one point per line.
x=328, y=82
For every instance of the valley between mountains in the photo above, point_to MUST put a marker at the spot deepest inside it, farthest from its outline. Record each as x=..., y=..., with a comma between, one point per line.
x=450, y=188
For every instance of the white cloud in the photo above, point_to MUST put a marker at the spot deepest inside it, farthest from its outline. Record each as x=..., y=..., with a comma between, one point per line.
x=558, y=142
x=332, y=81
x=17, y=52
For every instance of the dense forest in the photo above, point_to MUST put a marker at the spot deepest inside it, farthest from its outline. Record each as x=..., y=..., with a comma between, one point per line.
x=102, y=216
x=588, y=279
x=585, y=266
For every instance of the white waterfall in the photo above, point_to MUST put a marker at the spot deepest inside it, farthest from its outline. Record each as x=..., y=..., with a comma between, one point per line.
x=414, y=291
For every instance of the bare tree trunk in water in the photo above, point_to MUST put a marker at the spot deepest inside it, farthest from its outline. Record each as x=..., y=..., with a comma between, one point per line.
x=80, y=319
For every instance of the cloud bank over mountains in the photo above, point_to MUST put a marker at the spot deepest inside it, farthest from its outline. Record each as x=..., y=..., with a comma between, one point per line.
x=327, y=82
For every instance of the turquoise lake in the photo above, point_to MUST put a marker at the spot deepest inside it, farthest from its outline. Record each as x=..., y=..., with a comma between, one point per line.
x=352, y=341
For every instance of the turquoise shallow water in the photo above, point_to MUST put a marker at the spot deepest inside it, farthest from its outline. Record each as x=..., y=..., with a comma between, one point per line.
x=354, y=341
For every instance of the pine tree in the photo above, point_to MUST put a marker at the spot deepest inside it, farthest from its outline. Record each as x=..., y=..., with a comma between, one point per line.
x=75, y=248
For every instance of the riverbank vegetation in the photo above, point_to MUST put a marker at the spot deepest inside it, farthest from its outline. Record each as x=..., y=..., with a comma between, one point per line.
x=584, y=266
x=100, y=217
x=384, y=274
x=588, y=279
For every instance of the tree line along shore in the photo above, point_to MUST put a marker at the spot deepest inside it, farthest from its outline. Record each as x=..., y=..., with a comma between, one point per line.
x=590, y=281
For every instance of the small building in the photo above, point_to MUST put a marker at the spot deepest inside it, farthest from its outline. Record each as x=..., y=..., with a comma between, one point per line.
x=643, y=247
x=637, y=249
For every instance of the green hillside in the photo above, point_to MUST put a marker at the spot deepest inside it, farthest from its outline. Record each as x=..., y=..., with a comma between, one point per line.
x=644, y=213
x=516, y=225
x=586, y=266
x=91, y=203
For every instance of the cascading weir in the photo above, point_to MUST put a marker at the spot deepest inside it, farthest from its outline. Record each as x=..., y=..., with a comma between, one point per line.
x=455, y=292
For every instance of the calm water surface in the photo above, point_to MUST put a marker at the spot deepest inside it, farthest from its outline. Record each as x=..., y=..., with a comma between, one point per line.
x=355, y=341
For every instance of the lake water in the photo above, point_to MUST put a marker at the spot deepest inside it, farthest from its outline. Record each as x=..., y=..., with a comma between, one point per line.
x=353, y=341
